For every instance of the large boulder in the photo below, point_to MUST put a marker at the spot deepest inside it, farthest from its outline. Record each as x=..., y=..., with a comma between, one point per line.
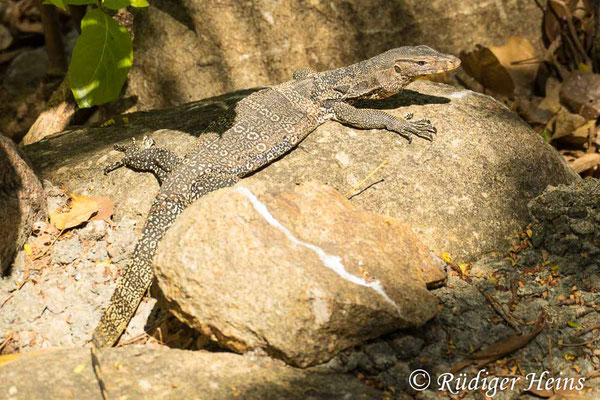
x=294, y=269
x=163, y=373
x=22, y=201
x=192, y=49
x=566, y=220
x=465, y=193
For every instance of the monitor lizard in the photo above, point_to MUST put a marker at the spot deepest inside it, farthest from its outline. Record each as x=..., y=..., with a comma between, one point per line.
x=257, y=130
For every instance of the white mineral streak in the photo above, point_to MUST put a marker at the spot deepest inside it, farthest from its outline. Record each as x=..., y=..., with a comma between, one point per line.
x=330, y=261
x=460, y=94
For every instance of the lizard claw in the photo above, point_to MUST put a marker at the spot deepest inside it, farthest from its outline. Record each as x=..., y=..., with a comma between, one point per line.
x=422, y=128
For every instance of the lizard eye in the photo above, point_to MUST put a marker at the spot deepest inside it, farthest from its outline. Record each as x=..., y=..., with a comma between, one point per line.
x=397, y=69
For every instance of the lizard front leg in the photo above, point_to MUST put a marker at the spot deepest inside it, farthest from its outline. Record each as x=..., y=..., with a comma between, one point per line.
x=376, y=119
x=146, y=157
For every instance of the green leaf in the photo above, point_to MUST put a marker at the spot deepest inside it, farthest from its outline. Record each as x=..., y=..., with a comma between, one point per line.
x=139, y=3
x=79, y=2
x=58, y=3
x=574, y=324
x=116, y=4
x=101, y=60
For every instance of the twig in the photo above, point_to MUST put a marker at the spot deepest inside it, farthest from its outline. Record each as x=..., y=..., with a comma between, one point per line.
x=6, y=301
x=370, y=185
x=145, y=333
x=550, y=354
x=593, y=374
x=366, y=178
x=592, y=340
x=49, y=246
x=596, y=39
x=8, y=339
x=500, y=311
x=588, y=329
x=573, y=32
x=57, y=60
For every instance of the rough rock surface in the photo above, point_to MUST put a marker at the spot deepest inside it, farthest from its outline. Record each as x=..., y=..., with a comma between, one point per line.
x=467, y=321
x=191, y=49
x=22, y=201
x=161, y=373
x=296, y=270
x=566, y=219
x=61, y=304
x=465, y=193
x=55, y=296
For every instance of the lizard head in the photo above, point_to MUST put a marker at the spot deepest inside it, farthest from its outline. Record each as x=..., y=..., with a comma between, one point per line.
x=387, y=73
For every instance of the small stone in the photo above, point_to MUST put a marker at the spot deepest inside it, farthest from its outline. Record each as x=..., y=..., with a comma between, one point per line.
x=582, y=226
x=407, y=346
x=98, y=252
x=122, y=243
x=27, y=68
x=381, y=354
x=94, y=230
x=67, y=251
x=145, y=385
x=5, y=37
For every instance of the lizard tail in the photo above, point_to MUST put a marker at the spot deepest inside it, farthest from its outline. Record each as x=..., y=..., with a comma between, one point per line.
x=124, y=302
x=134, y=283
x=138, y=275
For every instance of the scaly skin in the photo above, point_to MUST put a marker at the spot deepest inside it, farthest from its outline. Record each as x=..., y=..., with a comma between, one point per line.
x=260, y=128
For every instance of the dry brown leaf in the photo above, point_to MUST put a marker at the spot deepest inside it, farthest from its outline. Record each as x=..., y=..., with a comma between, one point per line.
x=486, y=69
x=106, y=208
x=518, y=57
x=501, y=348
x=565, y=123
x=580, y=93
x=82, y=208
x=551, y=25
x=564, y=393
x=588, y=161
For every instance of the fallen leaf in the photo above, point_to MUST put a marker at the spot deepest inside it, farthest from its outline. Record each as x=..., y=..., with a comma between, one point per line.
x=82, y=208
x=585, y=162
x=518, y=57
x=106, y=208
x=27, y=248
x=580, y=93
x=565, y=393
x=79, y=368
x=565, y=123
x=9, y=357
x=501, y=348
x=551, y=24
x=486, y=69
x=108, y=123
